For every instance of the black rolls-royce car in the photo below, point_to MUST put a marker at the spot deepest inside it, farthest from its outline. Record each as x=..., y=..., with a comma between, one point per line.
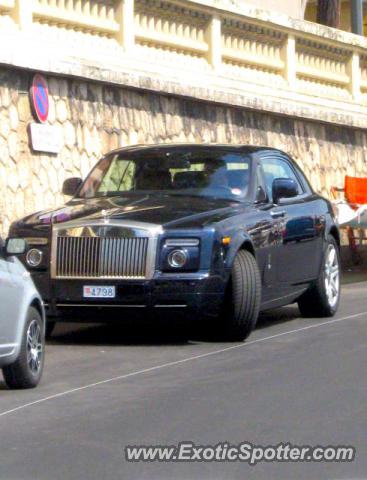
x=215, y=232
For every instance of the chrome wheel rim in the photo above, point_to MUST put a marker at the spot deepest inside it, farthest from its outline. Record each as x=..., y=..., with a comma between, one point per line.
x=332, y=276
x=34, y=347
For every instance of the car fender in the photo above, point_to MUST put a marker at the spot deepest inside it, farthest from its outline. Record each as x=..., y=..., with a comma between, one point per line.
x=331, y=222
x=30, y=297
x=26, y=304
x=332, y=229
x=238, y=241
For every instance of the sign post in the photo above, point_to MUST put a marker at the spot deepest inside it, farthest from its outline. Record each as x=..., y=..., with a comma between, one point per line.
x=44, y=137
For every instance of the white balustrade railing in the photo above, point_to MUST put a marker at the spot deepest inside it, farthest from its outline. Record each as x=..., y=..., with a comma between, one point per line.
x=231, y=43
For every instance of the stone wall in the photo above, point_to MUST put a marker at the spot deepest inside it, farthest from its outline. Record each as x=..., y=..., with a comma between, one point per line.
x=96, y=118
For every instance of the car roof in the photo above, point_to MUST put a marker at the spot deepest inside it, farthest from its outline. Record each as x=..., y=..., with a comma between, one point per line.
x=196, y=147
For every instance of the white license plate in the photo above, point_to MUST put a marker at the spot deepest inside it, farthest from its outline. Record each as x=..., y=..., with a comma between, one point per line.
x=99, y=292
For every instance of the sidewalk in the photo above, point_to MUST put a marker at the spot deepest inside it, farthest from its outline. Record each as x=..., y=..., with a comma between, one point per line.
x=354, y=275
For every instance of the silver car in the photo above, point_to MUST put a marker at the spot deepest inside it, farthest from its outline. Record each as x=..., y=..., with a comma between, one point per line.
x=22, y=320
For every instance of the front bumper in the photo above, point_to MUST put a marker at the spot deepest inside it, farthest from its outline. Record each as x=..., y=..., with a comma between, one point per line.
x=193, y=294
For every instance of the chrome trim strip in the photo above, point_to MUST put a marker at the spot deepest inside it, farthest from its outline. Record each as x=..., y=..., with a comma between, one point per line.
x=112, y=306
x=106, y=222
x=98, y=305
x=151, y=257
x=36, y=241
x=108, y=278
x=182, y=242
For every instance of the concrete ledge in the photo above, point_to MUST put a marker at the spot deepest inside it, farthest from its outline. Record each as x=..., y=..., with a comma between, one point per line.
x=302, y=69
x=208, y=86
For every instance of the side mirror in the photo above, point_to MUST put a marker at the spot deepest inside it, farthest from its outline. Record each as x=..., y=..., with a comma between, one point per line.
x=284, y=188
x=15, y=246
x=71, y=186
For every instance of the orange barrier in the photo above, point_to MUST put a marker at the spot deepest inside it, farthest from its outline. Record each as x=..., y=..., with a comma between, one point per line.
x=355, y=190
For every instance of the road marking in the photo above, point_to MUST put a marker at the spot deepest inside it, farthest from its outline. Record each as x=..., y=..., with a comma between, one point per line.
x=177, y=362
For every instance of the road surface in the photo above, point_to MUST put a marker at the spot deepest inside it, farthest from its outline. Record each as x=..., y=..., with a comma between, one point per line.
x=294, y=380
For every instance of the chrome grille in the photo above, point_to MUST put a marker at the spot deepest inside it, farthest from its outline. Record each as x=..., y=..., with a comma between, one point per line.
x=101, y=257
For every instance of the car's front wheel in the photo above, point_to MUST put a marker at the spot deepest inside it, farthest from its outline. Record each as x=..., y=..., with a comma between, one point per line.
x=242, y=305
x=322, y=299
x=26, y=371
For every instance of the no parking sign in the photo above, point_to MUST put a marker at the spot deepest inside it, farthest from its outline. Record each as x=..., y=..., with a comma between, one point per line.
x=39, y=98
x=43, y=136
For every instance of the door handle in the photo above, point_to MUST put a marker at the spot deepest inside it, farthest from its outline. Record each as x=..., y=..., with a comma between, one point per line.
x=278, y=213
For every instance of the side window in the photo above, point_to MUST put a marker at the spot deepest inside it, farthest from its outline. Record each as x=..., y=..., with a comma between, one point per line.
x=119, y=176
x=277, y=168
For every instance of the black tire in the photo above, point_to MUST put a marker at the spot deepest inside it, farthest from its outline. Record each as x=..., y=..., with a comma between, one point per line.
x=20, y=374
x=316, y=302
x=243, y=298
x=50, y=326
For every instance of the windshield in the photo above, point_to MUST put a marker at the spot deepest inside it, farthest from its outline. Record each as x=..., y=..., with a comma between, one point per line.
x=220, y=174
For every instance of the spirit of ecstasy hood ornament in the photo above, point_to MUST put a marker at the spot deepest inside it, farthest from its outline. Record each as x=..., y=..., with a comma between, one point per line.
x=105, y=216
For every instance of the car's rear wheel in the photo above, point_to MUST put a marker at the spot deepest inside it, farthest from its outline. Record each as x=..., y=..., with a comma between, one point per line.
x=322, y=299
x=242, y=304
x=26, y=371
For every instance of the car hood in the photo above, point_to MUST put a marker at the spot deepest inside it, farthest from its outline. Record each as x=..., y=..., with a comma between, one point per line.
x=170, y=211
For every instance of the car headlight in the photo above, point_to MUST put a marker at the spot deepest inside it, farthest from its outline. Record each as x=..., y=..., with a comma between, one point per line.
x=180, y=254
x=177, y=258
x=34, y=257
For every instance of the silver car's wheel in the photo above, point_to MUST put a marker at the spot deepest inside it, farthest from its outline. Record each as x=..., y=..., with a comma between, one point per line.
x=34, y=346
x=332, y=275
x=26, y=371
